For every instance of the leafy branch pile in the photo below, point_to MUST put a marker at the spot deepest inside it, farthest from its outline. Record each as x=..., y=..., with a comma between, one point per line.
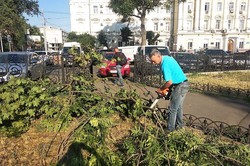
x=93, y=119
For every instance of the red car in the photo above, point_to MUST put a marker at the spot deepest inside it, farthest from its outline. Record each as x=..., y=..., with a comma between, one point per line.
x=109, y=66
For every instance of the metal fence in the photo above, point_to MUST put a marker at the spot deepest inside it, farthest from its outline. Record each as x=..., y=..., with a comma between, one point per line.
x=53, y=66
x=229, y=92
x=204, y=63
x=60, y=72
x=234, y=132
x=195, y=63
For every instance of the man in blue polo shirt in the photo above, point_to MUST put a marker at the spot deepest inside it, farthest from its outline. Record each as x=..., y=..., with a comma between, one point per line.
x=176, y=81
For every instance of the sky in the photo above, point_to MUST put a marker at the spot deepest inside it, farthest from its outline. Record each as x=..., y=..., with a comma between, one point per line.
x=56, y=13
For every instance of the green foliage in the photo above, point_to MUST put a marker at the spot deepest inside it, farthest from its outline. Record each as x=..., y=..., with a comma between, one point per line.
x=151, y=37
x=86, y=40
x=12, y=21
x=169, y=4
x=182, y=147
x=126, y=34
x=127, y=8
x=23, y=100
x=102, y=39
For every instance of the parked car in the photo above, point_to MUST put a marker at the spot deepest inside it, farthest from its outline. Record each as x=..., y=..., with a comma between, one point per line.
x=109, y=66
x=20, y=64
x=46, y=58
x=146, y=50
x=188, y=61
x=215, y=57
x=242, y=59
x=143, y=63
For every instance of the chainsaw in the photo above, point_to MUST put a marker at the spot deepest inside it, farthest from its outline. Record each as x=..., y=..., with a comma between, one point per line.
x=164, y=95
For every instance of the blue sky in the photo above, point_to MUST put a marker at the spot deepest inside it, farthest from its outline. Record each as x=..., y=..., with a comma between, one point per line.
x=56, y=13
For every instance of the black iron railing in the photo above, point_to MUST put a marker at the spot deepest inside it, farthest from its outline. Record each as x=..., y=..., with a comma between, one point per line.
x=218, y=128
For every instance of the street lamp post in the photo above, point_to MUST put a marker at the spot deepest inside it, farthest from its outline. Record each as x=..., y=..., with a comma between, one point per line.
x=27, y=33
x=9, y=41
x=45, y=36
x=1, y=40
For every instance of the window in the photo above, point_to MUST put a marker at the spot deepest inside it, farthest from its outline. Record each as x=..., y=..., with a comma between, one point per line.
x=168, y=10
x=207, y=4
x=167, y=26
x=190, y=7
x=205, y=24
x=157, y=9
x=242, y=22
x=243, y=6
x=241, y=44
x=231, y=7
x=219, y=6
x=217, y=24
x=205, y=45
x=190, y=45
x=189, y=25
x=156, y=27
x=229, y=24
x=108, y=10
x=217, y=44
x=95, y=8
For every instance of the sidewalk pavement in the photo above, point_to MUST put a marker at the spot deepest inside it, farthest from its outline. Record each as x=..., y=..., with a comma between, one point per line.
x=216, y=108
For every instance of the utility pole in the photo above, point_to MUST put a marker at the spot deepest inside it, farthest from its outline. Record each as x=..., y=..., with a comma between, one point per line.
x=89, y=18
x=174, y=25
x=44, y=33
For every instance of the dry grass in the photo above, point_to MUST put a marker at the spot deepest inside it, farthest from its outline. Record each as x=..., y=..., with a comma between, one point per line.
x=238, y=80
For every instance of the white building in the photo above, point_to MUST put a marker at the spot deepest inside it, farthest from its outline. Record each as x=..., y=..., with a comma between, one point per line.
x=221, y=24
x=200, y=24
x=55, y=37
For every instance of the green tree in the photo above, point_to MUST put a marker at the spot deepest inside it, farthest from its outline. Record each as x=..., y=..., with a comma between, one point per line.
x=102, y=38
x=87, y=41
x=126, y=34
x=152, y=38
x=12, y=21
x=135, y=8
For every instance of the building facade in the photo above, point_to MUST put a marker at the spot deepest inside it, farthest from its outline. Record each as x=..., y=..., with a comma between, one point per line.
x=191, y=26
x=223, y=24
x=55, y=37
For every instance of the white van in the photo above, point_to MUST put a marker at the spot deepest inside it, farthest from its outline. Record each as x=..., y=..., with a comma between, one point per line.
x=146, y=50
x=129, y=52
x=69, y=45
x=67, y=58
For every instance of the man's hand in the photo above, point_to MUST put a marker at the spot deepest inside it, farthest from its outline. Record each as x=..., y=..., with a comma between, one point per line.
x=162, y=92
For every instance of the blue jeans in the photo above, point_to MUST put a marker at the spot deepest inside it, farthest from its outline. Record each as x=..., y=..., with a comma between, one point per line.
x=175, y=118
x=119, y=74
